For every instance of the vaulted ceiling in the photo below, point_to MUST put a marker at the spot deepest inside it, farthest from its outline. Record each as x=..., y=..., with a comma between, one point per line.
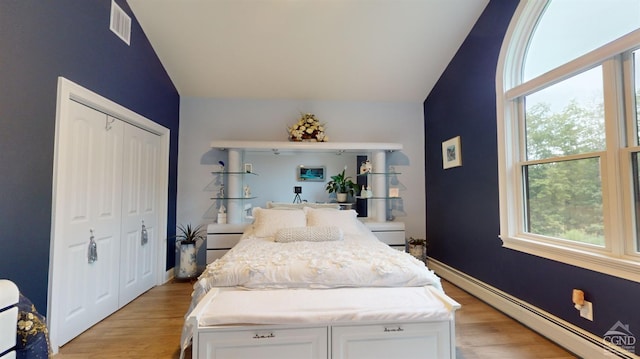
x=352, y=50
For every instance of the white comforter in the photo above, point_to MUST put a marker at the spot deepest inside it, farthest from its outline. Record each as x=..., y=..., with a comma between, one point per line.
x=357, y=261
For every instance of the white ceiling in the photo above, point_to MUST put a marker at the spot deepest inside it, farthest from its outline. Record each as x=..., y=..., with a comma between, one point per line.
x=353, y=50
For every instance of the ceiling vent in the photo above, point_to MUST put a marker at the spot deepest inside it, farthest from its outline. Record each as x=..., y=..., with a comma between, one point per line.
x=120, y=22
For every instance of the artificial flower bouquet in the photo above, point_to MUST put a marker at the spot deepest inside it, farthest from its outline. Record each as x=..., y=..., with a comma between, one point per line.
x=308, y=128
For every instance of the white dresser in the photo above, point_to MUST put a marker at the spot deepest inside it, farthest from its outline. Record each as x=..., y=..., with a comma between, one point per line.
x=391, y=233
x=221, y=237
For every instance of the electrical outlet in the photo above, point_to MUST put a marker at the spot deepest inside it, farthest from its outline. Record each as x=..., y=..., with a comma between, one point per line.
x=587, y=311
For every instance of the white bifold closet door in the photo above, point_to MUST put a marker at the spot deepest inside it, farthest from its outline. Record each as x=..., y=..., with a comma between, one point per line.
x=139, y=213
x=109, y=169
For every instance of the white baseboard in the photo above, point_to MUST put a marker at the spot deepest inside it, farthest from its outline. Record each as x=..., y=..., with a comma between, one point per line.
x=563, y=333
x=169, y=275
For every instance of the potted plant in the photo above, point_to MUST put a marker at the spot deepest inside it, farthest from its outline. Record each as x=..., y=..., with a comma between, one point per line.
x=188, y=240
x=342, y=185
x=418, y=247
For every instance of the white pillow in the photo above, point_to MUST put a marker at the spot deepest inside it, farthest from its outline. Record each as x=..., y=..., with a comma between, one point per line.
x=267, y=222
x=347, y=220
x=310, y=234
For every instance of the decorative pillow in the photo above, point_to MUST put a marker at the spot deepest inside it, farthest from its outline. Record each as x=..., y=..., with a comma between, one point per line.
x=347, y=220
x=268, y=221
x=302, y=205
x=311, y=234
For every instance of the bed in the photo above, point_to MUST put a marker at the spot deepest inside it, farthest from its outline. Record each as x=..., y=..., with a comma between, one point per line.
x=317, y=283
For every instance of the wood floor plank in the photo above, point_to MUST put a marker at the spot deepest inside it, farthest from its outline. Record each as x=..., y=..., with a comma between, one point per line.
x=484, y=332
x=151, y=325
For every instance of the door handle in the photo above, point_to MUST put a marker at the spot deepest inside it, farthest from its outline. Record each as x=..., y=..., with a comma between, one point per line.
x=93, y=248
x=144, y=236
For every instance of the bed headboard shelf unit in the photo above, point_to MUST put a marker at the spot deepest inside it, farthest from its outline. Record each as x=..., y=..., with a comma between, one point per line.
x=290, y=146
x=377, y=152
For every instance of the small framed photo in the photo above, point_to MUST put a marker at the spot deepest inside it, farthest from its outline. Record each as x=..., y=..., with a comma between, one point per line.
x=248, y=168
x=394, y=192
x=310, y=173
x=451, y=154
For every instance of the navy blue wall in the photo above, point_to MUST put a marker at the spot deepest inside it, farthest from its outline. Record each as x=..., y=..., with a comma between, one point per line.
x=462, y=203
x=39, y=41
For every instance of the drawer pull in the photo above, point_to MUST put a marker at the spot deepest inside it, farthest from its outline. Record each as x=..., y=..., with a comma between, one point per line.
x=270, y=335
x=398, y=329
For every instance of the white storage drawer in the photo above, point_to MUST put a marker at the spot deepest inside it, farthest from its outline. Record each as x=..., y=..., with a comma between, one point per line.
x=391, y=233
x=222, y=241
x=221, y=238
x=213, y=254
x=219, y=244
x=9, y=296
x=386, y=341
x=265, y=343
x=392, y=238
x=8, y=321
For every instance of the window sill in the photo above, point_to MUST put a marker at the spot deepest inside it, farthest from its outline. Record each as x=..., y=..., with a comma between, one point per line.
x=626, y=268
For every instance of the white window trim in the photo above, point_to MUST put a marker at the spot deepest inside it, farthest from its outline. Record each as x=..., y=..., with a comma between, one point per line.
x=613, y=259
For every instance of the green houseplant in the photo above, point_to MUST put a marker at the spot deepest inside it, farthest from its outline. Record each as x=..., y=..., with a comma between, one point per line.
x=418, y=248
x=190, y=235
x=188, y=240
x=341, y=184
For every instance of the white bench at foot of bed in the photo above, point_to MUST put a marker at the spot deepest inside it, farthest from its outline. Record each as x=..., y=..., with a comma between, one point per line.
x=422, y=336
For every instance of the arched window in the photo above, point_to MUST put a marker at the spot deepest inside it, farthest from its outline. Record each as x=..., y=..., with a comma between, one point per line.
x=568, y=133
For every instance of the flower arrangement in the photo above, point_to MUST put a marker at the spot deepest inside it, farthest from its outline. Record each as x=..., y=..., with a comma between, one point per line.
x=308, y=128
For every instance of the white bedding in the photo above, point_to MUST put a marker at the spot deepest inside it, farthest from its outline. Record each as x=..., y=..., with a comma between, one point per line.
x=360, y=260
x=339, y=305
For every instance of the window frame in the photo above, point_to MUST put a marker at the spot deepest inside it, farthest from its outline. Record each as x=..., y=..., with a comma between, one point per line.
x=619, y=256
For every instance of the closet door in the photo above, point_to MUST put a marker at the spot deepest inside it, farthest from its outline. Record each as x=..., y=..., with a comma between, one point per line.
x=91, y=171
x=139, y=213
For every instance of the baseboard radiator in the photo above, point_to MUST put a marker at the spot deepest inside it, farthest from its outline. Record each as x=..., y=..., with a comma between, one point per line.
x=563, y=333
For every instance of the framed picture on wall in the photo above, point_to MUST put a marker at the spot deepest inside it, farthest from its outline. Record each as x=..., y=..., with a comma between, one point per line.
x=310, y=173
x=451, y=155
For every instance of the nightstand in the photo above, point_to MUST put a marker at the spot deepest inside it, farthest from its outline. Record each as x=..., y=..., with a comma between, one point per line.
x=221, y=238
x=391, y=233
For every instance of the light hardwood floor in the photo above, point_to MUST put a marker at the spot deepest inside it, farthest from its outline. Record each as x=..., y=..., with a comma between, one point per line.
x=150, y=327
x=484, y=332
